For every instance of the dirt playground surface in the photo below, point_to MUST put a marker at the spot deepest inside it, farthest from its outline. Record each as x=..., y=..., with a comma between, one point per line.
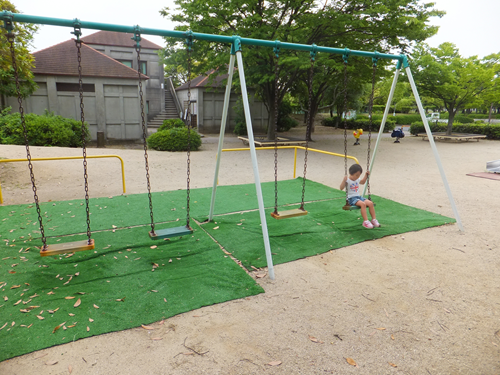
x=423, y=302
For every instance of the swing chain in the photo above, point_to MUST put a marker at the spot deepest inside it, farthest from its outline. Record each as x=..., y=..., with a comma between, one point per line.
x=344, y=108
x=308, y=123
x=370, y=123
x=84, y=135
x=137, y=38
x=276, y=110
x=189, y=44
x=10, y=38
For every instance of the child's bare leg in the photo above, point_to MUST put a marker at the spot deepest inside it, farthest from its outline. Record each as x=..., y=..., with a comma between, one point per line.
x=371, y=208
x=362, y=207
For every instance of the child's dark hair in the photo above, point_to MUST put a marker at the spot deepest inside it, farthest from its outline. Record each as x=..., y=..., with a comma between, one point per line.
x=355, y=168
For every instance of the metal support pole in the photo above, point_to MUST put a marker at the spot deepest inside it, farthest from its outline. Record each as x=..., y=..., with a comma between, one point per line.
x=258, y=187
x=225, y=111
x=434, y=148
x=384, y=119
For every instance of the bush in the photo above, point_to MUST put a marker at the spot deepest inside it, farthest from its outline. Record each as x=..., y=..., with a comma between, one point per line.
x=491, y=131
x=46, y=130
x=361, y=122
x=175, y=139
x=172, y=123
x=240, y=128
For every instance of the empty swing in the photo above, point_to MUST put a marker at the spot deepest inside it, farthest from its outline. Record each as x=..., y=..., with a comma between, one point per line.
x=68, y=247
x=301, y=211
x=185, y=229
x=347, y=206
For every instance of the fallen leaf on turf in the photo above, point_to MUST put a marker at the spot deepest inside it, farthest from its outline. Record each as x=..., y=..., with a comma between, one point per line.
x=91, y=320
x=392, y=364
x=15, y=286
x=5, y=298
x=95, y=306
x=51, y=292
x=24, y=310
x=3, y=326
x=40, y=317
x=216, y=228
x=69, y=297
x=121, y=299
x=71, y=314
x=88, y=329
x=274, y=363
x=59, y=326
x=351, y=361
x=153, y=247
x=50, y=363
x=146, y=327
x=18, y=302
x=77, y=303
x=12, y=272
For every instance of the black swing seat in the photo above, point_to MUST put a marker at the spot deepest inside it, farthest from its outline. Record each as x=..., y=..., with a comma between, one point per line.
x=348, y=207
x=68, y=247
x=171, y=232
x=289, y=213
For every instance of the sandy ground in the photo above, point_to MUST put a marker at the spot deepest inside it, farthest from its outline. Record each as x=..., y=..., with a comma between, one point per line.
x=423, y=302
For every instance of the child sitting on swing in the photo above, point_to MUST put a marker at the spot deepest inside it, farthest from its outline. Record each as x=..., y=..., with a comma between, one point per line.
x=355, y=199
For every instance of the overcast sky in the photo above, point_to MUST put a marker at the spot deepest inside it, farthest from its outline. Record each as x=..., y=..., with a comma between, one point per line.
x=471, y=25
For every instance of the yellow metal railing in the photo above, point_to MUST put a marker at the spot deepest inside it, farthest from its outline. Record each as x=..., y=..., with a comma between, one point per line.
x=67, y=158
x=295, y=153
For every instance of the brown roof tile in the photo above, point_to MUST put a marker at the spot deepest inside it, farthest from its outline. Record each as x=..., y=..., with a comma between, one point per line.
x=61, y=59
x=216, y=81
x=115, y=38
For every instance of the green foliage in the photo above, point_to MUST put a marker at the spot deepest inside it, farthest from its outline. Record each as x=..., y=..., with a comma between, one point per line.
x=363, y=25
x=175, y=139
x=241, y=125
x=24, y=60
x=359, y=123
x=172, y=123
x=42, y=130
x=285, y=122
x=457, y=82
x=491, y=131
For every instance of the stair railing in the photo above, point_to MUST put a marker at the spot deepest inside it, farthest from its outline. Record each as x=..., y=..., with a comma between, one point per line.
x=170, y=87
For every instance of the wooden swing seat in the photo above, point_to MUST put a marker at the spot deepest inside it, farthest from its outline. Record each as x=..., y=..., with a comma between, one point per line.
x=171, y=232
x=68, y=247
x=289, y=213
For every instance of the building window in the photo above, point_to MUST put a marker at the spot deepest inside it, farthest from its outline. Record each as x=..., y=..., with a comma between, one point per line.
x=74, y=87
x=126, y=63
x=144, y=67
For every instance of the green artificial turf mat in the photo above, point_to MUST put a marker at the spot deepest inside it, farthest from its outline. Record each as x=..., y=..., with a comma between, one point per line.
x=69, y=217
x=325, y=227
x=122, y=284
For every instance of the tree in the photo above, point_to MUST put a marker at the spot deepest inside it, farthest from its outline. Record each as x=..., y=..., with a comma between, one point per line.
x=491, y=96
x=367, y=25
x=456, y=81
x=23, y=39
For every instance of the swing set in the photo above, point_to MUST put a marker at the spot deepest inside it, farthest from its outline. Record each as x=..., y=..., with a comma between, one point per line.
x=236, y=44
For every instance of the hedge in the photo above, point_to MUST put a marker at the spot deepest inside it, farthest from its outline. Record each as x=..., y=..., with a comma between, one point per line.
x=174, y=139
x=491, y=131
x=46, y=130
x=171, y=123
x=358, y=124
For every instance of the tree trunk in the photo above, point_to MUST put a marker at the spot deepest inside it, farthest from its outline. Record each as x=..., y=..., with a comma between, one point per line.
x=450, y=122
x=489, y=115
x=271, y=124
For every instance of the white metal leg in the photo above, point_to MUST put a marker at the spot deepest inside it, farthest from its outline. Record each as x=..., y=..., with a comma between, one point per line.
x=382, y=124
x=434, y=148
x=253, y=153
x=225, y=111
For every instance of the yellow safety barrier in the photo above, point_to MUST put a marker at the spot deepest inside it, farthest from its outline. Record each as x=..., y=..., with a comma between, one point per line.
x=295, y=153
x=67, y=158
